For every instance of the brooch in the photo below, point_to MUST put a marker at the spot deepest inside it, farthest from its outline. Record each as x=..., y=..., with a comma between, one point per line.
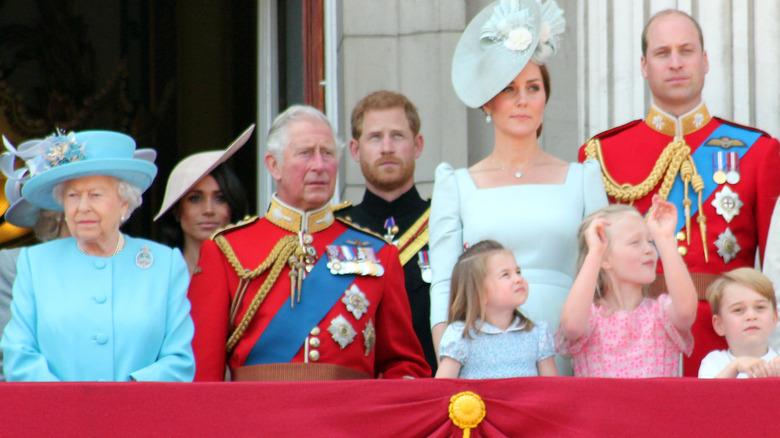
x=144, y=258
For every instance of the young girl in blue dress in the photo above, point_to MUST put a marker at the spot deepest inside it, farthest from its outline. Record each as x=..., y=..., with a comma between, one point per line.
x=487, y=337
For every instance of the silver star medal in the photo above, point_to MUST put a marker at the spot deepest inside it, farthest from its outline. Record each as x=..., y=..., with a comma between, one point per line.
x=727, y=245
x=727, y=203
x=356, y=301
x=341, y=331
x=369, y=337
x=144, y=258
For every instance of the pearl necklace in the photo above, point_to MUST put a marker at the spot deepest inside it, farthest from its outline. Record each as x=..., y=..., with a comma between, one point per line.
x=120, y=244
x=518, y=173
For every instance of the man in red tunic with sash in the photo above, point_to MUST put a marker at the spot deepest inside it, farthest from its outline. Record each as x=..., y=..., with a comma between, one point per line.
x=722, y=176
x=299, y=295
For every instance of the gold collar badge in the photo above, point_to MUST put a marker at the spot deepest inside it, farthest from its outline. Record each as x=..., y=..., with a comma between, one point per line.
x=672, y=126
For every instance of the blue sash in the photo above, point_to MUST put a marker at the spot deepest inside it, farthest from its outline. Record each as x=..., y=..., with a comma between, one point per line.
x=321, y=290
x=702, y=157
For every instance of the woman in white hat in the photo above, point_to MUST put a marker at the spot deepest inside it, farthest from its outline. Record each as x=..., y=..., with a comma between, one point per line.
x=99, y=305
x=519, y=195
x=202, y=196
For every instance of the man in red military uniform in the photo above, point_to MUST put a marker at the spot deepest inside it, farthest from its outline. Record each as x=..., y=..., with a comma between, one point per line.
x=297, y=294
x=722, y=176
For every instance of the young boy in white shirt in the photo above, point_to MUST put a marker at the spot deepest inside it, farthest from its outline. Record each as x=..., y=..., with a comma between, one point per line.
x=744, y=310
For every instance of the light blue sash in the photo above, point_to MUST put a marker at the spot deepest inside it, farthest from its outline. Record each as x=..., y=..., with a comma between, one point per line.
x=321, y=290
x=702, y=157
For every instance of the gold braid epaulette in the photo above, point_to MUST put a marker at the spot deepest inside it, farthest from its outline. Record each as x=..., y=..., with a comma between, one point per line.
x=340, y=206
x=675, y=158
x=667, y=166
x=351, y=224
x=247, y=220
x=276, y=261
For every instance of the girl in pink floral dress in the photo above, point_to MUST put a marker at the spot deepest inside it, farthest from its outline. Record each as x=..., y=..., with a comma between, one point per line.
x=608, y=325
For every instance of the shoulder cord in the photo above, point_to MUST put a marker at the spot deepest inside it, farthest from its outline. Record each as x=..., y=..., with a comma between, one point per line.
x=276, y=260
x=675, y=158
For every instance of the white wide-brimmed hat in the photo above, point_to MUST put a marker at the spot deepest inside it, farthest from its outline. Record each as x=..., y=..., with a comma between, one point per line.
x=498, y=43
x=193, y=168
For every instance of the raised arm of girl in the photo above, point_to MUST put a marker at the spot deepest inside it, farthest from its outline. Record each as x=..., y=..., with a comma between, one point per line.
x=662, y=222
x=576, y=308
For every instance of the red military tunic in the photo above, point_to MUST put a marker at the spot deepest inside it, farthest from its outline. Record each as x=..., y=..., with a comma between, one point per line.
x=630, y=153
x=391, y=349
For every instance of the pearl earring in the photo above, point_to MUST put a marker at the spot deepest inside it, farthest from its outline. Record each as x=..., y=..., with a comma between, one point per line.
x=488, y=119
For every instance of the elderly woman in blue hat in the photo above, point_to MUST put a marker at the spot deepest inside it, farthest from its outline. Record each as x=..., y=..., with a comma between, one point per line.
x=519, y=195
x=99, y=305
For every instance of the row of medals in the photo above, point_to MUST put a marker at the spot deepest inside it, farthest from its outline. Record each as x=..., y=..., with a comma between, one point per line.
x=725, y=170
x=355, y=258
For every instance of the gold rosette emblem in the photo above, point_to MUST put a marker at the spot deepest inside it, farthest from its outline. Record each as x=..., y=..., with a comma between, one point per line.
x=466, y=411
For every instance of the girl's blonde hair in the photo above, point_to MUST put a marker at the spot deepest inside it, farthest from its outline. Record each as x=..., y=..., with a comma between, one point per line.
x=467, y=287
x=611, y=213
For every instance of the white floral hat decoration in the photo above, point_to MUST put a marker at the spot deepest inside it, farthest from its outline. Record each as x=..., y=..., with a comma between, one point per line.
x=499, y=42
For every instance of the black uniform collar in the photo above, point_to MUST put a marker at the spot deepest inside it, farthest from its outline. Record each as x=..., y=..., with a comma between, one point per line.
x=376, y=206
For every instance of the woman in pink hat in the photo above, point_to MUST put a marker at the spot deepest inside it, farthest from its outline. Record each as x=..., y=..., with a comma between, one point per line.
x=203, y=195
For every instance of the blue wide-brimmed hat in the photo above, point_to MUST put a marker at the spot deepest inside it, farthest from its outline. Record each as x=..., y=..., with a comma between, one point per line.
x=499, y=42
x=20, y=213
x=81, y=154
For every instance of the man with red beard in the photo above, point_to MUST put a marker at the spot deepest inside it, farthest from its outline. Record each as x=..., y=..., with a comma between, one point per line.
x=386, y=140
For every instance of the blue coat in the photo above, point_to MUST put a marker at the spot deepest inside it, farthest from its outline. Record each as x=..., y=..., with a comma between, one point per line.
x=77, y=317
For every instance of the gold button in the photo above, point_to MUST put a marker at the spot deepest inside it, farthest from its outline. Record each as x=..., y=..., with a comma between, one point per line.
x=682, y=250
x=314, y=355
x=314, y=342
x=681, y=236
x=315, y=331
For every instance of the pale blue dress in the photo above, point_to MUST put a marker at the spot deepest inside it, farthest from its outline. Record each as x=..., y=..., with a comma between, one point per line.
x=77, y=317
x=538, y=222
x=492, y=353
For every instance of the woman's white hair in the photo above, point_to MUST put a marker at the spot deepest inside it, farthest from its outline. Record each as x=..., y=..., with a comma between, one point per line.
x=126, y=191
x=278, y=135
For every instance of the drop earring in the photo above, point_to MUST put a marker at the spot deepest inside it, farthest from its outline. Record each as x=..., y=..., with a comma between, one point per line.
x=488, y=119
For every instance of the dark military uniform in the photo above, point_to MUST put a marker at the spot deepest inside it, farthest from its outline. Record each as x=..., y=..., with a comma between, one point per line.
x=407, y=211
